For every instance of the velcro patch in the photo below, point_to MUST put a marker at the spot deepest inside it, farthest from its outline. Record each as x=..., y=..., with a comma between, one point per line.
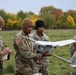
x=18, y=41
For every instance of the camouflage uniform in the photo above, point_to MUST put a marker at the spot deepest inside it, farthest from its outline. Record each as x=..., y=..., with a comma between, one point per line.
x=25, y=55
x=1, y=48
x=1, y=45
x=43, y=68
x=72, y=51
x=73, y=46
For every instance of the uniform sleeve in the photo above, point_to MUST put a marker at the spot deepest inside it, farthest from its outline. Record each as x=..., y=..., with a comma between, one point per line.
x=1, y=47
x=73, y=47
x=74, y=37
x=23, y=48
x=0, y=55
x=31, y=36
x=46, y=37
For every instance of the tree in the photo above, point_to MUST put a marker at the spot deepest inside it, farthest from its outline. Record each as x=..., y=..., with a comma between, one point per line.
x=71, y=12
x=57, y=13
x=50, y=21
x=21, y=14
x=70, y=22
x=45, y=10
x=61, y=23
x=3, y=14
x=11, y=16
x=34, y=18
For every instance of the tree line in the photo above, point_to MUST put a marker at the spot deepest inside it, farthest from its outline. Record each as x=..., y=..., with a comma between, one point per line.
x=54, y=18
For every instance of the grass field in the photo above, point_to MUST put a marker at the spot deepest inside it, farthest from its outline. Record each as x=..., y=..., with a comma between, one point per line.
x=56, y=66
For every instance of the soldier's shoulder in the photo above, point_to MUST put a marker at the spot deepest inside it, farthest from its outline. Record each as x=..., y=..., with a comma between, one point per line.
x=32, y=35
x=46, y=36
x=18, y=37
x=1, y=41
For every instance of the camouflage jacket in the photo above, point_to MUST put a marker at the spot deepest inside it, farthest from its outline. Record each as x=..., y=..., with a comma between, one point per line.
x=43, y=38
x=1, y=46
x=73, y=47
x=24, y=49
x=36, y=37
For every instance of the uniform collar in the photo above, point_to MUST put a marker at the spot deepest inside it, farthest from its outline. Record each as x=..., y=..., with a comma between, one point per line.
x=24, y=33
x=37, y=35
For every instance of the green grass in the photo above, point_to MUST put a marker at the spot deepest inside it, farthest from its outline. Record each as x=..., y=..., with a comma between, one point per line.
x=56, y=66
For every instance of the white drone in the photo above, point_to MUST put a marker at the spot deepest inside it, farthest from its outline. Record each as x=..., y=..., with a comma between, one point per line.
x=45, y=46
x=37, y=74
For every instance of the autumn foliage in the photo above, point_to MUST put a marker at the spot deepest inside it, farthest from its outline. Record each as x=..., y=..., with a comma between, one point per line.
x=54, y=18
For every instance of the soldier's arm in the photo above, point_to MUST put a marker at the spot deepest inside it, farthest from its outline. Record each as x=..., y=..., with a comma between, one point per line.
x=73, y=47
x=23, y=49
x=0, y=55
x=5, y=51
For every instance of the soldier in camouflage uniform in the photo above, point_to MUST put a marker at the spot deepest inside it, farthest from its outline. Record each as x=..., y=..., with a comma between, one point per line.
x=25, y=53
x=73, y=50
x=39, y=35
x=3, y=50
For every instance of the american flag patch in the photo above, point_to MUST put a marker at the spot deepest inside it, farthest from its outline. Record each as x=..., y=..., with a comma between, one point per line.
x=17, y=41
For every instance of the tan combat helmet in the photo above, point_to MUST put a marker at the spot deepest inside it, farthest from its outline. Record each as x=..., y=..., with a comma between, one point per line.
x=27, y=22
x=1, y=21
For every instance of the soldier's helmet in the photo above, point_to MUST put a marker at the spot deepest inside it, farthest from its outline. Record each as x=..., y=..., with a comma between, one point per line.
x=1, y=22
x=27, y=22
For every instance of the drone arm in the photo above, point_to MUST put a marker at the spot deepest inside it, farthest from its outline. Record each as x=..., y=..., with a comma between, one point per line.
x=60, y=58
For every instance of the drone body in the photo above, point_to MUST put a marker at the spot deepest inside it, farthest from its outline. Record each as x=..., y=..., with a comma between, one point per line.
x=43, y=46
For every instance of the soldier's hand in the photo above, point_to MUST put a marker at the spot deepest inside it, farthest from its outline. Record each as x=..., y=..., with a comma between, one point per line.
x=6, y=50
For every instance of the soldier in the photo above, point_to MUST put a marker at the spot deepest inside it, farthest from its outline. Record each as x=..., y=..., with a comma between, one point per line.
x=25, y=53
x=72, y=51
x=3, y=50
x=39, y=35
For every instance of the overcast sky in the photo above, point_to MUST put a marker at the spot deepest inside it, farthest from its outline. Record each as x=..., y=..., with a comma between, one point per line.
x=13, y=6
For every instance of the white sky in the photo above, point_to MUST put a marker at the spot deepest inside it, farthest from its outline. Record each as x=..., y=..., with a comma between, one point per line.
x=13, y=6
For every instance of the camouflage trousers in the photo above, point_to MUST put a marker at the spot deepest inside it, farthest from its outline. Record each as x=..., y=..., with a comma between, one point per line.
x=24, y=69
x=43, y=68
x=1, y=72
x=30, y=71
x=72, y=52
x=44, y=71
x=1, y=68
